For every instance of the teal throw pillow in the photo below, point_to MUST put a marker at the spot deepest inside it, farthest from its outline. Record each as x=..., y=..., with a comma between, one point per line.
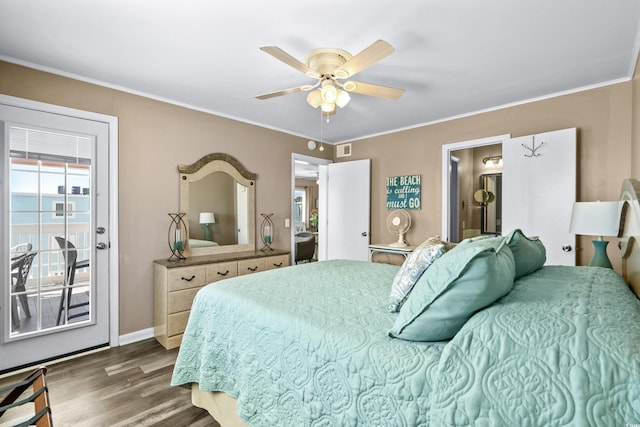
x=411, y=270
x=528, y=252
x=464, y=280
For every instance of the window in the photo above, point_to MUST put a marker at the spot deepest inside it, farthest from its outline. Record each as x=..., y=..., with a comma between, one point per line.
x=58, y=209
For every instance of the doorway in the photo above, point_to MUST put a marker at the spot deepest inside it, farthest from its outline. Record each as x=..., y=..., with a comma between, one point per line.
x=305, y=187
x=59, y=229
x=457, y=214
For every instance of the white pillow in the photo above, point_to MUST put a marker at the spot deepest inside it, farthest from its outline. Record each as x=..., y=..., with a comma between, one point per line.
x=412, y=269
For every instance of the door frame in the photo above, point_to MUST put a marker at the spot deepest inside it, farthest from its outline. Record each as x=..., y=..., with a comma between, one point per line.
x=311, y=160
x=112, y=123
x=454, y=199
x=446, y=184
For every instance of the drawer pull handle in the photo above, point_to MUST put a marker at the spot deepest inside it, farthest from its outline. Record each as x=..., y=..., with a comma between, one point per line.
x=224, y=274
x=277, y=265
x=189, y=279
x=253, y=269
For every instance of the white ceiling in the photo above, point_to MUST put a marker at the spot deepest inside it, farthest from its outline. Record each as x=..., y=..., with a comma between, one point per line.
x=453, y=57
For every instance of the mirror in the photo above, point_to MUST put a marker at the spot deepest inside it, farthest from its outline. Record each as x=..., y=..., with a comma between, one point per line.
x=218, y=195
x=490, y=196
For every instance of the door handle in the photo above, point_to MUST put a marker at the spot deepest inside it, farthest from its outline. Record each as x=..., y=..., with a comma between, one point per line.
x=101, y=245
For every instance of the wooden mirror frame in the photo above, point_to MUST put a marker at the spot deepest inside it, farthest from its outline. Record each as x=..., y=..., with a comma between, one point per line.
x=219, y=162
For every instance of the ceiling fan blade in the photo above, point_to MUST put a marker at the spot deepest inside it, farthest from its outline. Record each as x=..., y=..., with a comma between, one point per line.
x=303, y=88
x=281, y=92
x=369, y=56
x=283, y=56
x=373, y=90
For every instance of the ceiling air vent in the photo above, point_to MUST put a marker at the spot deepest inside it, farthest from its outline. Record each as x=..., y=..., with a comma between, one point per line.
x=343, y=150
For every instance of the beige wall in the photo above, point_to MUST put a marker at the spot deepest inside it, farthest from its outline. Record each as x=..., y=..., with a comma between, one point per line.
x=154, y=137
x=606, y=152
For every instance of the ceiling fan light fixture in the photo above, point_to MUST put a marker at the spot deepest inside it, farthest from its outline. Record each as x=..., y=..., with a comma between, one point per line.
x=314, y=98
x=328, y=66
x=329, y=93
x=342, y=98
x=328, y=107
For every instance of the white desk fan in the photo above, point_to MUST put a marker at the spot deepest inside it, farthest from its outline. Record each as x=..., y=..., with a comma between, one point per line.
x=398, y=222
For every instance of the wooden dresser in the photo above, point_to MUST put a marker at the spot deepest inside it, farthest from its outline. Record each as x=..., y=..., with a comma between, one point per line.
x=176, y=284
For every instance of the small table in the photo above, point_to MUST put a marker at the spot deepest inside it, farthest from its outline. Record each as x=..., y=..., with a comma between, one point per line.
x=380, y=247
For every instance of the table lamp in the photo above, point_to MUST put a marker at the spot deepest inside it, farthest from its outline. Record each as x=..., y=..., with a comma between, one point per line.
x=207, y=218
x=597, y=219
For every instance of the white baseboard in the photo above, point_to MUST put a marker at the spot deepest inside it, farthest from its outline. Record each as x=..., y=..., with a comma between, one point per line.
x=135, y=336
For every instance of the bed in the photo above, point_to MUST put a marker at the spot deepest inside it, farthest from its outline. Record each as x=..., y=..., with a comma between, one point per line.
x=317, y=345
x=197, y=243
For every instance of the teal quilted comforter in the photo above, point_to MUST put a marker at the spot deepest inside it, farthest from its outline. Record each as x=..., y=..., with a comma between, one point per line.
x=308, y=346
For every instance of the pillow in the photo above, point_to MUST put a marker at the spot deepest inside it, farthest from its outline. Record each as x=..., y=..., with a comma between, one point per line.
x=479, y=237
x=462, y=281
x=528, y=252
x=412, y=268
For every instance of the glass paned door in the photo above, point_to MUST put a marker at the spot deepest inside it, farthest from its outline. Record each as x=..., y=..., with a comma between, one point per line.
x=55, y=171
x=50, y=229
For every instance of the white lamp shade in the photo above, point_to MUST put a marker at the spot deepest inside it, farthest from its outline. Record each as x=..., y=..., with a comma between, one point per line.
x=327, y=108
x=342, y=99
x=207, y=218
x=329, y=93
x=314, y=98
x=596, y=218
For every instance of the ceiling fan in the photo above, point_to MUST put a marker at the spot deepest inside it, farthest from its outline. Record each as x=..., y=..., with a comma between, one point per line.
x=329, y=66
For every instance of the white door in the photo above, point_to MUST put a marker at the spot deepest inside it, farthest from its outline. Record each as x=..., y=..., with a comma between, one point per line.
x=539, y=189
x=55, y=197
x=346, y=200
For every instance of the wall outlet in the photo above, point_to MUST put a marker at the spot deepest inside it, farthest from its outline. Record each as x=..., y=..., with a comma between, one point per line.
x=287, y=222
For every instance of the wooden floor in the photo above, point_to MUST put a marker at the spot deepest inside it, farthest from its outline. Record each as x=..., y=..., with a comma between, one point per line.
x=122, y=386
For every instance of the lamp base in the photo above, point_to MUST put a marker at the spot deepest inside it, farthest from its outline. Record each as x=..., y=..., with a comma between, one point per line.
x=600, y=258
x=207, y=232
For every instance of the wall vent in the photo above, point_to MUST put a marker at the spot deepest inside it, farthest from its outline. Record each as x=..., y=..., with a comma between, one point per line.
x=343, y=150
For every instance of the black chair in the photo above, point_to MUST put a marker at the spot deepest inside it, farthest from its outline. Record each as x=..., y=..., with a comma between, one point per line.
x=20, y=267
x=305, y=246
x=70, y=255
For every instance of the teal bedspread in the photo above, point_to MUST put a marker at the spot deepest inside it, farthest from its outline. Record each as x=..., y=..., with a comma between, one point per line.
x=308, y=346
x=561, y=349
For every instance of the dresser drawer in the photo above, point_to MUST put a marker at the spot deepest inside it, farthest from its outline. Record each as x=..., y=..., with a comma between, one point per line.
x=249, y=266
x=177, y=322
x=221, y=270
x=181, y=300
x=186, y=277
x=277, y=261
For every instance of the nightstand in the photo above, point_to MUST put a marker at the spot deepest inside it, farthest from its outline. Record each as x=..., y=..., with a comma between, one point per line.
x=380, y=247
